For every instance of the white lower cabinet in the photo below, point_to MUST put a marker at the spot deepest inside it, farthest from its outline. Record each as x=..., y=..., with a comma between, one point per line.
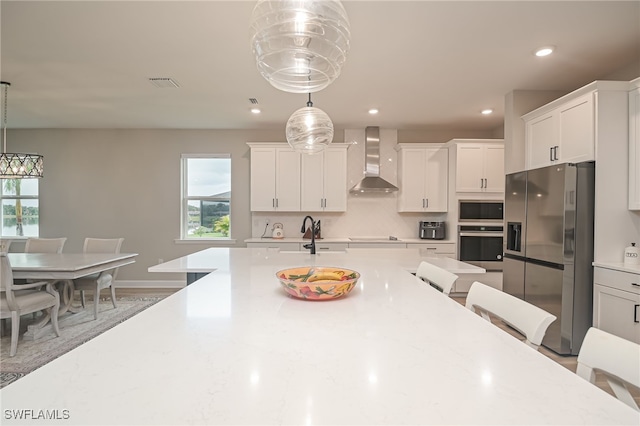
x=616, y=303
x=435, y=249
x=320, y=246
x=290, y=246
x=368, y=245
x=275, y=245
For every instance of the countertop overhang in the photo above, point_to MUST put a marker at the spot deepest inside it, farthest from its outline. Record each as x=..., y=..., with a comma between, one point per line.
x=214, y=259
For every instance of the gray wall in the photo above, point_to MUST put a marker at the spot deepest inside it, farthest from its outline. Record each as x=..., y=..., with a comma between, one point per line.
x=126, y=183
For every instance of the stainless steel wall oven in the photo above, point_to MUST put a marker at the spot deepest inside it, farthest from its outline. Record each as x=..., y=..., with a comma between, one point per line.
x=481, y=245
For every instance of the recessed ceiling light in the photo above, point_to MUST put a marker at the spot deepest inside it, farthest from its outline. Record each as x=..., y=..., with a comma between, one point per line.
x=255, y=110
x=486, y=111
x=544, y=51
x=373, y=111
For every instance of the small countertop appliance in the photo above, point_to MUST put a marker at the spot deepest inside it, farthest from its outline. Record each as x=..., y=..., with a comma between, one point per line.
x=433, y=230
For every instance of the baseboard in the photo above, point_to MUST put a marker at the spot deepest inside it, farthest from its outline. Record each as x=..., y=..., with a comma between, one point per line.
x=150, y=284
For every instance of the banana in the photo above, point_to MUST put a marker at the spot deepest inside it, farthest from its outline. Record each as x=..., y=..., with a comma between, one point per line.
x=325, y=276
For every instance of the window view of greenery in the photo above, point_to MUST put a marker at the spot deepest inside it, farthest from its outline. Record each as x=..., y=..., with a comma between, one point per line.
x=207, y=198
x=20, y=207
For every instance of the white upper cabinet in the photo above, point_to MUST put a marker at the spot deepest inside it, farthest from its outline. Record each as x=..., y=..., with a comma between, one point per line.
x=634, y=147
x=564, y=134
x=422, y=177
x=479, y=167
x=275, y=178
x=324, y=180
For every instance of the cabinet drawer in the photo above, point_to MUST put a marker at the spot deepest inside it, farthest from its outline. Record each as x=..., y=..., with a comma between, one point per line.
x=320, y=247
x=427, y=249
x=275, y=245
x=620, y=280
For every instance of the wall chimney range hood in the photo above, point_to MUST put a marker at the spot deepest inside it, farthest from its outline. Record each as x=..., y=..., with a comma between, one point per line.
x=372, y=181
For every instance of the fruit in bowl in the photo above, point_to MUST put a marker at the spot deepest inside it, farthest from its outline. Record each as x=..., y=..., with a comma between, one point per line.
x=317, y=282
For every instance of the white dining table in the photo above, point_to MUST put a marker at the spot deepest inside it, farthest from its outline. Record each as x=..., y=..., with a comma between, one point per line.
x=233, y=348
x=62, y=268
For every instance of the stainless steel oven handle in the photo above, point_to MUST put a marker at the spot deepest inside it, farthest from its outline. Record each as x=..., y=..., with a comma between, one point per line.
x=481, y=234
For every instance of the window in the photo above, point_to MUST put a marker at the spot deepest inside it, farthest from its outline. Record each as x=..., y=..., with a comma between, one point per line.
x=20, y=208
x=206, y=196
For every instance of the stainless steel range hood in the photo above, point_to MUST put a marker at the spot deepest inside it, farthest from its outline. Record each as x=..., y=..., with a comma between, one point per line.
x=372, y=181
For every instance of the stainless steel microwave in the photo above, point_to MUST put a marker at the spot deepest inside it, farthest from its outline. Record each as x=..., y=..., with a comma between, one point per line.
x=491, y=211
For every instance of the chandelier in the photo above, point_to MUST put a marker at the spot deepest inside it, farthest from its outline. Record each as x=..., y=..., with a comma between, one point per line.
x=12, y=165
x=300, y=45
x=309, y=130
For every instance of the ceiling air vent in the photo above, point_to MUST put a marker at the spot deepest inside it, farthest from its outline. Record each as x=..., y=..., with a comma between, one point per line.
x=254, y=101
x=164, y=82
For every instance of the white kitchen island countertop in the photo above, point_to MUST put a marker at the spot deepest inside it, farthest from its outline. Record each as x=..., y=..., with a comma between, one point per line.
x=233, y=348
x=212, y=259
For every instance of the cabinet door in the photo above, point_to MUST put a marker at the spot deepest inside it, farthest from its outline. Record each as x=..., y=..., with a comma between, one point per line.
x=494, y=168
x=469, y=168
x=616, y=312
x=576, y=121
x=437, y=178
x=335, y=179
x=263, y=179
x=287, y=170
x=312, y=182
x=412, y=178
x=541, y=138
x=634, y=149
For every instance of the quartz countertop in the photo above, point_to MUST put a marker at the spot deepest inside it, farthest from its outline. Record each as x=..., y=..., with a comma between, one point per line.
x=218, y=258
x=356, y=240
x=619, y=266
x=233, y=348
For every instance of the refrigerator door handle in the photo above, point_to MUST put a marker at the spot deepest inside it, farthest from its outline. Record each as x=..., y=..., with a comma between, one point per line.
x=635, y=313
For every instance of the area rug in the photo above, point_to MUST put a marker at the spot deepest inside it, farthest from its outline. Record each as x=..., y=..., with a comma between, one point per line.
x=75, y=329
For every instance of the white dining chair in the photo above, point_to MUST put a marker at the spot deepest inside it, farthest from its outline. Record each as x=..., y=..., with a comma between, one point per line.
x=104, y=279
x=616, y=358
x=32, y=297
x=44, y=245
x=529, y=320
x=437, y=277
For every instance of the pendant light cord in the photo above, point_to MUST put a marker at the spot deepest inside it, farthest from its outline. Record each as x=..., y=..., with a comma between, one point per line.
x=309, y=103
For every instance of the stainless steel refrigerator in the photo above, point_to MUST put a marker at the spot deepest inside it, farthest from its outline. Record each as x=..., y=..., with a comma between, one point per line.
x=548, y=248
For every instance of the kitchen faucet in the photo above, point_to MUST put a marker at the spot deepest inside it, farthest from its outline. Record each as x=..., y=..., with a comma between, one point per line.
x=311, y=246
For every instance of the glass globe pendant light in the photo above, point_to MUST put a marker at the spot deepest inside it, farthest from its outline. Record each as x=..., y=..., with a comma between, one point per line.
x=12, y=165
x=300, y=45
x=309, y=130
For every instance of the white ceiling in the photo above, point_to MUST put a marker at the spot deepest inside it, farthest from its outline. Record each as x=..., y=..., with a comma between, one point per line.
x=424, y=64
